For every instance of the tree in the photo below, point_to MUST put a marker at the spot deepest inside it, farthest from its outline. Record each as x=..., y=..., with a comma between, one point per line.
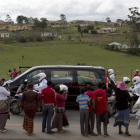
x=80, y=30
x=8, y=18
x=20, y=19
x=43, y=19
x=43, y=24
x=90, y=27
x=63, y=17
x=134, y=18
x=108, y=19
x=134, y=40
x=119, y=20
x=39, y=24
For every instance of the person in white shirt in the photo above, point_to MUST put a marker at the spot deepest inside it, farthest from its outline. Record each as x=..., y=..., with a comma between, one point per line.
x=4, y=113
x=42, y=84
x=111, y=74
x=136, y=89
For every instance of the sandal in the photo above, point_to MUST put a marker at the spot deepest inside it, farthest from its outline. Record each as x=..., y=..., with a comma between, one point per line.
x=121, y=132
x=4, y=131
x=62, y=131
x=127, y=134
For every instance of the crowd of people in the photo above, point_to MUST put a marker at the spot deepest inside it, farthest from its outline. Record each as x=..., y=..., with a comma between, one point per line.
x=13, y=74
x=92, y=105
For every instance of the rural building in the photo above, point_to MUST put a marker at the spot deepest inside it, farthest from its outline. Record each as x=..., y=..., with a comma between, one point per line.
x=83, y=24
x=118, y=45
x=49, y=33
x=106, y=30
x=59, y=22
x=77, y=21
x=128, y=46
x=116, y=24
x=4, y=28
x=2, y=35
x=17, y=27
x=2, y=22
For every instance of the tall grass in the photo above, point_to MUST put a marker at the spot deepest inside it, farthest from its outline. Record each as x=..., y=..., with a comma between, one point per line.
x=67, y=54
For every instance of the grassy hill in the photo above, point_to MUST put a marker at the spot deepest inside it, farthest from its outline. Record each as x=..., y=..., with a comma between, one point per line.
x=66, y=54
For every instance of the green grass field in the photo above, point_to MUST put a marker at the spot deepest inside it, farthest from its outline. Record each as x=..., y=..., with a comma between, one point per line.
x=66, y=54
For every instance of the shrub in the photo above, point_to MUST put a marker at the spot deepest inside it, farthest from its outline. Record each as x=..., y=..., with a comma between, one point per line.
x=132, y=51
x=38, y=38
x=30, y=38
x=69, y=37
x=50, y=37
x=93, y=32
x=22, y=39
x=7, y=40
x=85, y=30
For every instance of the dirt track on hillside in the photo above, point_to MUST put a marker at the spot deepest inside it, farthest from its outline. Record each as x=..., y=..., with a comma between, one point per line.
x=90, y=39
x=38, y=43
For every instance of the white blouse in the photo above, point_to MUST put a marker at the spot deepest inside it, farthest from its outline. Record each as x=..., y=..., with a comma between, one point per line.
x=4, y=93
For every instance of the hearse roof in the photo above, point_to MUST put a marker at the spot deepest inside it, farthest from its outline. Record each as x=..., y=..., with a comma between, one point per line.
x=67, y=66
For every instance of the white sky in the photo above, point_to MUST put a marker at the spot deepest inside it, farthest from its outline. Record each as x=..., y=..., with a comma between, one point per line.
x=73, y=9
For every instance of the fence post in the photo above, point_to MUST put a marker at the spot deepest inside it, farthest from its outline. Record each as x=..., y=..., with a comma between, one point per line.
x=131, y=78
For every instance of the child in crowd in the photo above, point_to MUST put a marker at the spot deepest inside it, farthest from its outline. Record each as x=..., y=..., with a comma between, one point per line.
x=83, y=101
x=101, y=109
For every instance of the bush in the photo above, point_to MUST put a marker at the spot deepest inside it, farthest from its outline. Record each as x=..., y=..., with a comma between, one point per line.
x=132, y=51
x=85, y=30
x=69, y=37
x=93, y=32
x=7, y=40
x=22, y=39
x=38, y=38
x=50, y=37
x=30, y=38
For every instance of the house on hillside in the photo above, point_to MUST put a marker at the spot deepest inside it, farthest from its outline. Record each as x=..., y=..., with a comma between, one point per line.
x=4, y=28
x=77, y=21
x=49, y=33
x=2, y=35
x=106, y=30
x=17, y=27
x=2, y=22
x=113, y=24
x=116, y=44
x=128, y=46
x=83, y=24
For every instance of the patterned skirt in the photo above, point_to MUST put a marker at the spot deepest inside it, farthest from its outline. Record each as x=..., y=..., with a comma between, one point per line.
x=4, y=113
x=122, y=117
x=28, y=124
x=60, y=119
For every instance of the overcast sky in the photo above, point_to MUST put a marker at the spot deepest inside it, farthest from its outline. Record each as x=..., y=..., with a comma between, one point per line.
x=73, y=9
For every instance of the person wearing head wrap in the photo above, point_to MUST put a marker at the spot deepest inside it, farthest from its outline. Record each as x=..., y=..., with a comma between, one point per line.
x=122, y=109
x=60, y=118
x=4, y=112
x=30, y=101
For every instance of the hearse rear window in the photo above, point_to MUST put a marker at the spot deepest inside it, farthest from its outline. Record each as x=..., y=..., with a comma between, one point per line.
x=88, y=77
x=61, y=76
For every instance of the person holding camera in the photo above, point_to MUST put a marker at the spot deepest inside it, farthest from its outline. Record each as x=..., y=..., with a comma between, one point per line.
x=4, y=106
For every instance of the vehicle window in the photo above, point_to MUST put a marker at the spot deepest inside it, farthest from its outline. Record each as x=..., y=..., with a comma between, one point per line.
x=61, y=76
x=88, y=77
x=33, y=76
x=20, y=82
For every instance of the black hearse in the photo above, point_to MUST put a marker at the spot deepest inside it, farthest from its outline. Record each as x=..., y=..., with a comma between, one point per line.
x=74, y=77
